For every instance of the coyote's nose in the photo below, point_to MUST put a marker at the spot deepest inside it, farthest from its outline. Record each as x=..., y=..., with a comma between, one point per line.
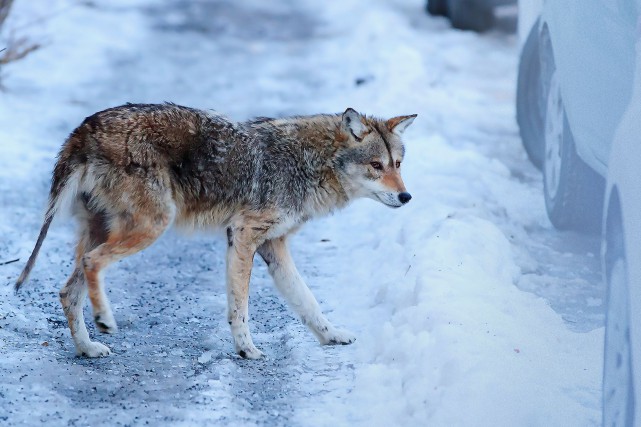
x=404, y=197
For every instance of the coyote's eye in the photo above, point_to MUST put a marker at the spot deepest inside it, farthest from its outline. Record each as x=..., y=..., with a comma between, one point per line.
x=377, y=165
x=398, y=164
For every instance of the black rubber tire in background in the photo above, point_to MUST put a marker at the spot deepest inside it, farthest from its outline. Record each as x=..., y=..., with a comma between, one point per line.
x=531, y=99
x=437, y=7
x=578, y=203
x=475, y=15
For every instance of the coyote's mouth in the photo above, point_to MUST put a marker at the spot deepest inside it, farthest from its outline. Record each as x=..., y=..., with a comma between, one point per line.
x=388, y=199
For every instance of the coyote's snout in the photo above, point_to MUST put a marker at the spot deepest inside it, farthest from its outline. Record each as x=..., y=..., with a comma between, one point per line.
x=130, y=172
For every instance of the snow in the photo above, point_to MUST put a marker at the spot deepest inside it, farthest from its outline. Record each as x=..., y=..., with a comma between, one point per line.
x=468, y=308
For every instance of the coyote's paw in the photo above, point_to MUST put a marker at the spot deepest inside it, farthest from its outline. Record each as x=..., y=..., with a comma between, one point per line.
x=93, y=349
x=338, y=337
x=249, y=352
x=243, y=342
x=106, y=323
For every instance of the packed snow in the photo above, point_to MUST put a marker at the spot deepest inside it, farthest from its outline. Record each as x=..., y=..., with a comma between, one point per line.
x=469, y=309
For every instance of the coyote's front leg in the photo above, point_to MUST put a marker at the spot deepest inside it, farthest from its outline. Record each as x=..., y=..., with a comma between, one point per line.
x=240, y=256
x=290, y=283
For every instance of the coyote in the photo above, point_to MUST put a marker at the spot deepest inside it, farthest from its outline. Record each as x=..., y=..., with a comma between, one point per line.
x=129, y=172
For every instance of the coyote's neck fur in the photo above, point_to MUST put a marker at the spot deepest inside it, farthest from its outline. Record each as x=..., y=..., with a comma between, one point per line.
x=301, y=155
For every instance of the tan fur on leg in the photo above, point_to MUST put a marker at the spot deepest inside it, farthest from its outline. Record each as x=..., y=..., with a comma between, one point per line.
x=242, y=240
x=121, y=242
x=72, y=297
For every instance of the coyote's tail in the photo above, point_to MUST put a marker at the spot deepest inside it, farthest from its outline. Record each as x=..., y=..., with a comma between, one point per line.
x=61, y=175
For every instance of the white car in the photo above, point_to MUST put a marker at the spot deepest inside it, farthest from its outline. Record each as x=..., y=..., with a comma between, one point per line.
x=579, y=113
x=575, y=80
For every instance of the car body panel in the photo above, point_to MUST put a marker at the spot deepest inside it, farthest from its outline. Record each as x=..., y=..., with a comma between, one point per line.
x=624, y=177
x=593, y=45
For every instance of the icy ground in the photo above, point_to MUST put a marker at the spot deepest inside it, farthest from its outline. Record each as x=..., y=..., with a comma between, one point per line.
x=470, y=310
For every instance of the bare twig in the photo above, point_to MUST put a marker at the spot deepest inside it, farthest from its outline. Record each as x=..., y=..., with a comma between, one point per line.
x=10, y=262
x=18, y=49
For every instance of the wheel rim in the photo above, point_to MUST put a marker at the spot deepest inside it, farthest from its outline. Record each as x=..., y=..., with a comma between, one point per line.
x=617, y=373
x=554, y=128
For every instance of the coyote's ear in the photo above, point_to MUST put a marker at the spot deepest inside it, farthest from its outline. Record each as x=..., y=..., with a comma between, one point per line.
x=353, y=125
x=400, y=123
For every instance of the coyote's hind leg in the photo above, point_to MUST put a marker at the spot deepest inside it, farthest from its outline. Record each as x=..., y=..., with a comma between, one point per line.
x=72, y=298
x=126, y=236
x=102, y=314
x=98, y=247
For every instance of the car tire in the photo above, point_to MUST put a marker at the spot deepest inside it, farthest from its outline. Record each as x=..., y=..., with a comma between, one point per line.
x=475, y=15
x=437, y=7
x=573, y=191
x=618, y=385
x=531, y=99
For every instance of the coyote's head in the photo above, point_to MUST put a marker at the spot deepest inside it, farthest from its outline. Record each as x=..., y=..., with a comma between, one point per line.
x=370, y=161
